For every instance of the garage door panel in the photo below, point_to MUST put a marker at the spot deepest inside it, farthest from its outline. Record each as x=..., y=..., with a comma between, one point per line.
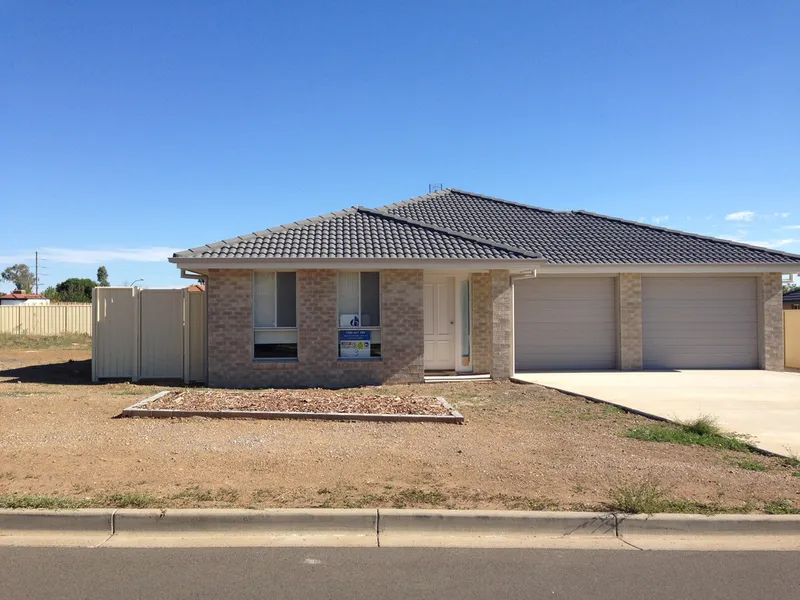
x=565, y=324
x=701, y=323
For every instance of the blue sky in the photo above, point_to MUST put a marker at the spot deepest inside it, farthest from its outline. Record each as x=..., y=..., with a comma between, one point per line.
x=129, y=130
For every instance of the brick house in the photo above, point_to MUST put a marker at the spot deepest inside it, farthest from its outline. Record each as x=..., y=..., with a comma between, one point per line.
x=464, y=283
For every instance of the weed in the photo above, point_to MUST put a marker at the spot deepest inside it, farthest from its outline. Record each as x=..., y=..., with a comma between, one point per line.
x=611, y=410
x=749, y=465
x=226, y=495
x=41, y=342
x=130, y=500
x=417, y=496
x=700, y=432
x=40, y=501
x=645, y=496
x=781, y=507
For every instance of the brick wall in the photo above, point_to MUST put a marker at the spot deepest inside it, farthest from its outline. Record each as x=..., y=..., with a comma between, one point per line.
x=501, y=324
x=630, y=321
x=771, y=317
x=230, y=362
x=481, y=323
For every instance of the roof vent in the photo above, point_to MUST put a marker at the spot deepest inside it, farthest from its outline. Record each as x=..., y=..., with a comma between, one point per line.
x=435, y=187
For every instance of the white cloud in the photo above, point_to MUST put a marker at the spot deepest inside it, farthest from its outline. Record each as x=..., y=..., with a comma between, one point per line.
x=772, y=244
x=96, y=256
x=791, y=227
x=781, y=215
x=661, y=219
x=744, y=215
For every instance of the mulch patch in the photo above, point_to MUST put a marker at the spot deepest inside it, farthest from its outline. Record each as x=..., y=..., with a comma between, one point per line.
x=311, y=401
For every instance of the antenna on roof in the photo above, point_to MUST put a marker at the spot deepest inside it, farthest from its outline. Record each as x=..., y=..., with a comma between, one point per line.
x=435, y=187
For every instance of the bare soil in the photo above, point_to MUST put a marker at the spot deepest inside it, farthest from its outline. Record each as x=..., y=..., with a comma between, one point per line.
x=372, y=400
x=523, y=446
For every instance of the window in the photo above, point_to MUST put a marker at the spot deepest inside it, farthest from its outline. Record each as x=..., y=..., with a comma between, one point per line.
x=359, y=314
x=795, y=306
x=274, y=315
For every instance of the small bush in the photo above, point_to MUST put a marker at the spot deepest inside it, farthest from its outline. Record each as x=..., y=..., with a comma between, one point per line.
x=704, y=425
x=645, y=496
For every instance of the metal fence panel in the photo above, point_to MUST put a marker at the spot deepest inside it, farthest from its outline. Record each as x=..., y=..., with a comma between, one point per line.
x=115, y=343
x=46, y=319
x=161, y=334
x=791, y=332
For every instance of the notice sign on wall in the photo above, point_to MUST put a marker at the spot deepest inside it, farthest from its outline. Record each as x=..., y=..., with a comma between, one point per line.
x=354, y=343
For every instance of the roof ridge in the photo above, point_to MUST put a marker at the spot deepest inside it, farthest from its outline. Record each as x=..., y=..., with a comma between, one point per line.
x=413, y=200
x=452, y=232
x=686, y=234
x=265, y=232
x=509, y=202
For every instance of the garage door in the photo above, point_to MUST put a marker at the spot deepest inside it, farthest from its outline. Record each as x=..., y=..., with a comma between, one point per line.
x=699, y=323
x=565, y=323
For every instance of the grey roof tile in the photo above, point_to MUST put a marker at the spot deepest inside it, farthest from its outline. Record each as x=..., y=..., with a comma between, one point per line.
x=357, y=233
x=576, y=237
x=792, y=296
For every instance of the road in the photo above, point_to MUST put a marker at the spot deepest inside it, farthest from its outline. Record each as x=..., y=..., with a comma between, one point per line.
x=390, y=573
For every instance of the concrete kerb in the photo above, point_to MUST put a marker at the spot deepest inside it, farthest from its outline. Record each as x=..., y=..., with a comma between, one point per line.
x=140, y=409
x=373, y=525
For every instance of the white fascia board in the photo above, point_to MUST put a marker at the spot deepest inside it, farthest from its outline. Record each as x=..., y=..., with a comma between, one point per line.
x=686, y=268
x=190, y=264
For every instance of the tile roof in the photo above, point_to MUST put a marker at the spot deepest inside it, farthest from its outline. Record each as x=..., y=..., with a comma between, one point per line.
x=21, y=296
x=577, y=237
x=358, y=233
x=792, y=296
x=454, y=224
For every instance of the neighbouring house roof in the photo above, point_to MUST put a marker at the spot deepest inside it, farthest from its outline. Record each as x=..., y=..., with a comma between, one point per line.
x=196, y=287
x=21, y=296
x=454, y=224
x=792, y=296
x=358, y=233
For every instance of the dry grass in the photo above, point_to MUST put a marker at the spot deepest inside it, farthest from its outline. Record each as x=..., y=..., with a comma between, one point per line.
x=523, y=447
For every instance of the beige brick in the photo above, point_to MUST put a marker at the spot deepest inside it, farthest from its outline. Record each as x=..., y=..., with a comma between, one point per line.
x=481, y=323
x=501, y=324
x=771, y=317
x=230, y=333
x=630, y=321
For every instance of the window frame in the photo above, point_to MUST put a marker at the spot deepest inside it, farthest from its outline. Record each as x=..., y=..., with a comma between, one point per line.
x=255, y=328
x=379, y=328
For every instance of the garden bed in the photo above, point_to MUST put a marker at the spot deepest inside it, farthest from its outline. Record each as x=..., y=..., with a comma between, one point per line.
x=347, y=405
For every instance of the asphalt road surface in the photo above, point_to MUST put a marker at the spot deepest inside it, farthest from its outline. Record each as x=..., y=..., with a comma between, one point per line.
x=389, y=573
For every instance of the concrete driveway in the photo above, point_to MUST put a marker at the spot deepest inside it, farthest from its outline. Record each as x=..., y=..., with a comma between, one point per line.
x=762, y=404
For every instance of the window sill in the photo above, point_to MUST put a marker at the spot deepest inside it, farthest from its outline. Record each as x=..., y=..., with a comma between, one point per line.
x=372, y=359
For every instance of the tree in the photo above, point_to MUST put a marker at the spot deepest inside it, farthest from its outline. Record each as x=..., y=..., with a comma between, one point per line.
x=102, y=277
x=790, y=287
x=75, y=290
x=51, y=294
x=20, y=276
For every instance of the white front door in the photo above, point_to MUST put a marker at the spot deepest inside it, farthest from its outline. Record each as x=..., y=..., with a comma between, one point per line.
x=440, y=319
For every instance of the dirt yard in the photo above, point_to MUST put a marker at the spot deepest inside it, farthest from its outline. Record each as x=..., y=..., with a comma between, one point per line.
x=523, y=447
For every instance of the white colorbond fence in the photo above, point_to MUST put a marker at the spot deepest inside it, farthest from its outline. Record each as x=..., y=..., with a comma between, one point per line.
x=148, y=334
x=46, y=319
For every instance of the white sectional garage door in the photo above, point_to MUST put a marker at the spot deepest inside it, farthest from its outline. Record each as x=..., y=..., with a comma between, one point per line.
x=565, y=323
x=699, y=323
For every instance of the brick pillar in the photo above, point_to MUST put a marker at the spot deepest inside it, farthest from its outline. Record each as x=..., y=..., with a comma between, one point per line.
x=230, y=327
x=317, y=344
x=630, y=321
x=501, y=324
x=771, y=318
x=481, y=323
x=402, y=326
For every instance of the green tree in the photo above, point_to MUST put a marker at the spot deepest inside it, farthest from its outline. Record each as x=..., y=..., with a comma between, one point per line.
x=20, y=276
x=51, y=294
x=75, y=290
x=102, y=277
x=790, y=287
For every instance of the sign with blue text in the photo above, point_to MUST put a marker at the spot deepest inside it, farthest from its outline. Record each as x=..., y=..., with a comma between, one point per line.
x=354, y=343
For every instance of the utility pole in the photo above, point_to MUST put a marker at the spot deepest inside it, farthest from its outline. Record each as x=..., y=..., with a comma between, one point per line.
x=37, y=272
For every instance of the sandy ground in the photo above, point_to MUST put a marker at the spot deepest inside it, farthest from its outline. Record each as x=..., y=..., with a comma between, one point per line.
x=523, y=447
